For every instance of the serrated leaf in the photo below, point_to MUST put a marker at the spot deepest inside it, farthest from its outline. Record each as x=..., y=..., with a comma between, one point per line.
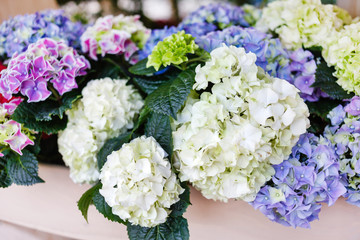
x=149, y=85
x=23, y=170
x=140, y=68
x=142, y=118
x=171, y=95
x=179, y=208
x=158, y=126
x=172, y=229
x=5, y=180
x=325, y=80
x=111, y=145
x=86, y=199
x=28, y=119
x=46, y=116
x=322, y=107
x=104, y=208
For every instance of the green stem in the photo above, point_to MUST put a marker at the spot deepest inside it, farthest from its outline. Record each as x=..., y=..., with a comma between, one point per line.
x=55, y=93
x=118, y=66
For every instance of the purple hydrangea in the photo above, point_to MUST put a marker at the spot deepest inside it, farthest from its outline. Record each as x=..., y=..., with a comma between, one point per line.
x=344, y=133
x=17, y=33
x=213, y=17
x=156, y=36
x=309, y=177
x=45, y=61
x=297, y=67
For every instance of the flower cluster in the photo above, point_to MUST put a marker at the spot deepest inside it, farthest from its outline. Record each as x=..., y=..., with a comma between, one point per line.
x=297, y=67
x=226, y=140
x=309, y=177
x=305, y=23
x=156, y=36
x=115, y=35
x=344, y=133
x=45, y=61
x=212, y=17
x=172, y=50
x=12, y=134
x=17, y=33
x=342, y=52
x=138, y=184
x=107, y=109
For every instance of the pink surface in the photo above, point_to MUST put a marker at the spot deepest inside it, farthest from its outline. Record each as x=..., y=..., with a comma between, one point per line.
x=51, y=207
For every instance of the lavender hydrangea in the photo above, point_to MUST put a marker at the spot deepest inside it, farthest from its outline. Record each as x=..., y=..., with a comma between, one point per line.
x=297, y=67
x=309, y=177
x=344, y=133
x=18, y=32
x=45, y=61
x=213, y=17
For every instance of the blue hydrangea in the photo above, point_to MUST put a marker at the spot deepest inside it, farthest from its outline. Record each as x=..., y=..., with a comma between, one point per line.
x=17, y=33
x=213, y=17
x=309, y=177
x=156, y=36
x=344, y=133
x=298, y=67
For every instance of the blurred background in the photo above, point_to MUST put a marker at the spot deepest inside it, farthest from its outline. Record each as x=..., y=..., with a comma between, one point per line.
x=154, y=13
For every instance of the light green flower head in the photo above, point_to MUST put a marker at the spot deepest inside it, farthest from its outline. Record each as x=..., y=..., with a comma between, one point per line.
x=172, y=50
x=342, y=52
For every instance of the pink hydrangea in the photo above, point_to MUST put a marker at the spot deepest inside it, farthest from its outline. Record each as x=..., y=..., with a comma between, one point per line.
x=11, y=133
x=45, y=61
x=115, y=35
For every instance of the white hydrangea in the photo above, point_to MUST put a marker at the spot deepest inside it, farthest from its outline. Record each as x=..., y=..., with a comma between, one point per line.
x=305, y=23
x=226, y=141
x=342, y=51
x=138, y=184
x=107, y=109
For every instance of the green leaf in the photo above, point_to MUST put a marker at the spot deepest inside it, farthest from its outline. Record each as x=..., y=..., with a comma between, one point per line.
x=142, y=118
x=322, y=107
x=171, y=95
x=149, y=85
x=87, y=199
x=328, y=1
x=325, y=80
x=179, y=208
x=23, y=170
x=158, y=126
x=172, y=229
x=46, y=116
x=111, y=145
x=141, y=69
x=5, y=180
x=104, y=208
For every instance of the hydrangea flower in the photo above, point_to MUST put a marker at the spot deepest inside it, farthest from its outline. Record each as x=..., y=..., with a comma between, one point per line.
x=45, y=61
x=305, y=23
x=17, y=33
x=157, y=35
x=309, y=177
x=226, y=140
x=342, y=51
x=212, y=17
x=138, y=184
x=344, y=133
x=12, y=134
x=172, y=50
x=107, y=109
x=298, y=67
x=115, y=35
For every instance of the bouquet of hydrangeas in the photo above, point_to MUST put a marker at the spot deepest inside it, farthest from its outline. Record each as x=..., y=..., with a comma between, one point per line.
x=241, y=103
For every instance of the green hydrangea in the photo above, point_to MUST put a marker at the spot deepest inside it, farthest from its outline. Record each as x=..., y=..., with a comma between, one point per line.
x=305, y=23
x=342, y=52
x=172, y=50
